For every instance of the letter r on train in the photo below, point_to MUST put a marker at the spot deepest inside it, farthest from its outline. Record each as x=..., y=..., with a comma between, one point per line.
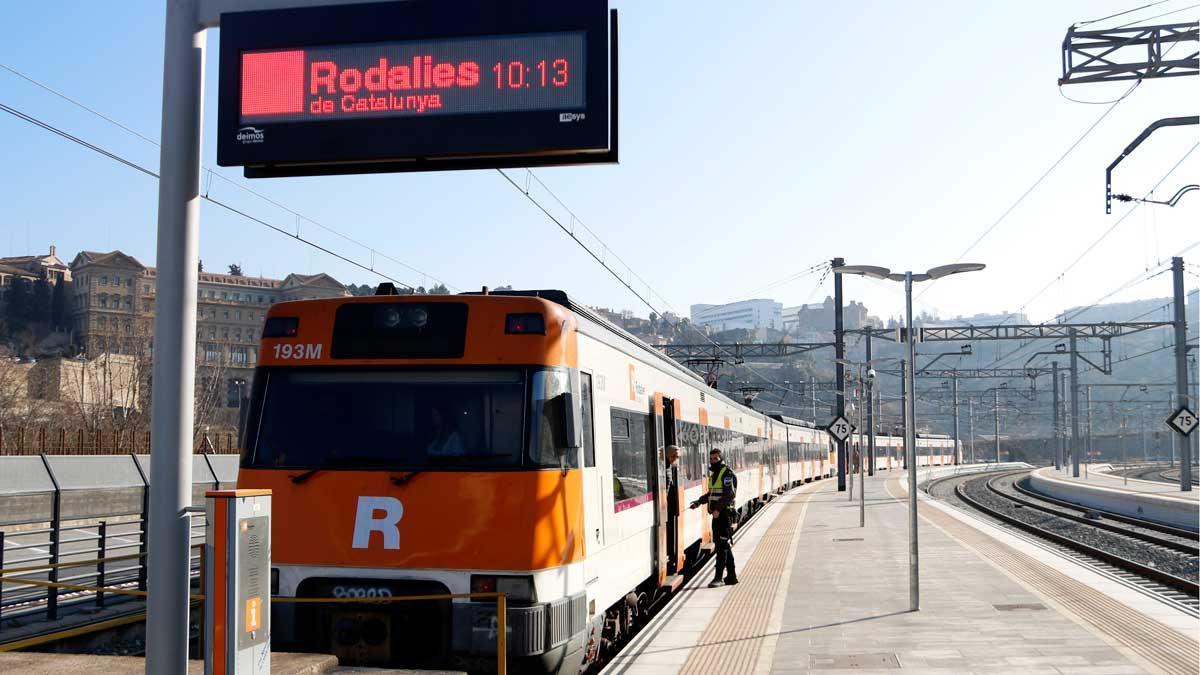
x=378, y=514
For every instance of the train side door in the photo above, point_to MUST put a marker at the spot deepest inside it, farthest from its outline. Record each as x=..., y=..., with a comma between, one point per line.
x=663, y=410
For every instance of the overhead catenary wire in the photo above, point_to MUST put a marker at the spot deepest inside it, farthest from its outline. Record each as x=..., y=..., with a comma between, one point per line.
x=1040, y=179
x=1156, y=16
x=1122, y=13
x=149, y=172
x=209, y=172
x=1137, y=279
x=568, y=228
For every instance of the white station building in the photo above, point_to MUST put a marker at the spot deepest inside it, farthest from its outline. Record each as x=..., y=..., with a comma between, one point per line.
x=748, y=314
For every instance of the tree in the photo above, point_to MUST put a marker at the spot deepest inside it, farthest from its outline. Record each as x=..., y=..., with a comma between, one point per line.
x=39, y=311
x=439, y=289
x=235, y=270
x=419, y=290
x=199, y=265
x=58, y=307
x=20, y=299
x=504, y=288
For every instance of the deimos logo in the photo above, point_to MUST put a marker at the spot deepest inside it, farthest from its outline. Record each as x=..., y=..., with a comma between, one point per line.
x=247, y=135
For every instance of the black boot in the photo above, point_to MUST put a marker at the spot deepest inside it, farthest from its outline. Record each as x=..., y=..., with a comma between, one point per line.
x=731, y=571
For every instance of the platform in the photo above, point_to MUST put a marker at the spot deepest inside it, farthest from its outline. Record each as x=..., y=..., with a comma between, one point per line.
x=820, y=594
x=1098, y=489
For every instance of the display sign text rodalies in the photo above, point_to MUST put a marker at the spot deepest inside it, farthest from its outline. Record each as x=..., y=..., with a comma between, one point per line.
x=417, y=85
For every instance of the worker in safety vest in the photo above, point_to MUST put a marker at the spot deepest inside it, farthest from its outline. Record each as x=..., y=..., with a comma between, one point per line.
x=722, y=488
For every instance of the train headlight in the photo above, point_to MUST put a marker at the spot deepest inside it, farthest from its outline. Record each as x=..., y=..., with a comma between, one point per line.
x=389, y=317
x=515, y=589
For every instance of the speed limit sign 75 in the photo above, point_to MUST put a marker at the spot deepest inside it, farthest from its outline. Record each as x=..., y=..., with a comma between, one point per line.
x=840, y=428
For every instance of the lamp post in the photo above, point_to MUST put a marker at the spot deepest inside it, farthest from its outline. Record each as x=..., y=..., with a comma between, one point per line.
x=914, y=592
x=861, y=389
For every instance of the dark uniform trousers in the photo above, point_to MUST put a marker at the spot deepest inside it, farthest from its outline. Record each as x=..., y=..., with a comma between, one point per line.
x=722, y=531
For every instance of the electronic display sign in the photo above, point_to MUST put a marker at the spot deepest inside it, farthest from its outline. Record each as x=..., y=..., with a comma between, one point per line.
x=417, y=85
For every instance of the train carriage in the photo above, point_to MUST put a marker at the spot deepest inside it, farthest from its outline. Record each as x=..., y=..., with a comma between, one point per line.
x=512, y=442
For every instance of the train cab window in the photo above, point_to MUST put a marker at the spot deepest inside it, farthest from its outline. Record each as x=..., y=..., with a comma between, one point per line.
x=388, y=419
x=589, y=440
x=548, y=435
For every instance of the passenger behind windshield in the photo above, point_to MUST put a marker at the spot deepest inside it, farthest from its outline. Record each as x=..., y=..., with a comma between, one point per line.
x=445, y=440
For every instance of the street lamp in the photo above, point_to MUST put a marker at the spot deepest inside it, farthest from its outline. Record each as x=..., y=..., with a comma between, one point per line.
x=914, y=592
x=861, y=389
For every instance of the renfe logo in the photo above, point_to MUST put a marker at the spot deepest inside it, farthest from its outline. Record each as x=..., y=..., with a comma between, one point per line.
x=378, y=514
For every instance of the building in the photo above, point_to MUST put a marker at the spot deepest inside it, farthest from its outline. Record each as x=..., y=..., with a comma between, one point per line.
x=819, y=317
x=1009, y=318
x=107, y=384
x=744, y=314
x=31, y=268
x=113, y=312
x=37, y=266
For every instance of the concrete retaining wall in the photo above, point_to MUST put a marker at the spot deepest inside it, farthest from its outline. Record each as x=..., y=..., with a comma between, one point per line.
x=1165, y=509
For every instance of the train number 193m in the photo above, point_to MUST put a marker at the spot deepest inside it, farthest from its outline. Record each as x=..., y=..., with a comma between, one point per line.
x=298, y=352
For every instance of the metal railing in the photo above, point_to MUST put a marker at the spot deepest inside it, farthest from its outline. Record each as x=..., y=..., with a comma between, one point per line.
x=82, y=521
x=107, y=563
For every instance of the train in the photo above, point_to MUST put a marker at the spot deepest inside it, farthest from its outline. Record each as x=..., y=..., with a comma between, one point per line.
x=508, y=442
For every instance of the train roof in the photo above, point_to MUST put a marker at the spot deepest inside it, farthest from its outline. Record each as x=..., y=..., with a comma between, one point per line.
x=588, y=314
x=794, y=421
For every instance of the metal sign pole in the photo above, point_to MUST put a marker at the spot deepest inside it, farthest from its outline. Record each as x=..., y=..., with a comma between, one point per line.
x=1181, y=376
x=169, y=565
x=910, y=441
x=1076, y=451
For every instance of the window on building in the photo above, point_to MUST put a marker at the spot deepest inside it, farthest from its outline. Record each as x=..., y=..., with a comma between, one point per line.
x=238, y=315
x=212, y=295
x=129, y=282
x=235, y=388
x=145, y=307
x=212, y=333
x=260, y=299
x=224, y=295
x=226, y=313
x=211, y=352
x=146, y=288
x=239, y=356
x=104, y=281
x=103, y=300
x=224, y=333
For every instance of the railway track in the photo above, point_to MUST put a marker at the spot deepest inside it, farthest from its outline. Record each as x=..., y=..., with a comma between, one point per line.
x=1136, y=553
x=1172, y=476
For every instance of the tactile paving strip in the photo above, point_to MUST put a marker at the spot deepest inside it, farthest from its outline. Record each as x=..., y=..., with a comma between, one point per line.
x=731, y=642
x=1149, y=639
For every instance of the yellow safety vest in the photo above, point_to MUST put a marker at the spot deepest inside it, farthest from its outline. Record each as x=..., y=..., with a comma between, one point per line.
x=716, y=487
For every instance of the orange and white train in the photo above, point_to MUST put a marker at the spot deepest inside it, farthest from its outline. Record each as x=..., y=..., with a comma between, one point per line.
x=512, y=442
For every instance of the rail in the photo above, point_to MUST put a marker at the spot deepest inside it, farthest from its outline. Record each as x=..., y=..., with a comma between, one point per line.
x=1186, y=585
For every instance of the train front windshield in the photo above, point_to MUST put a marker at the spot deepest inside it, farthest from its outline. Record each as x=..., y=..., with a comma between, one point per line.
x=406, y=420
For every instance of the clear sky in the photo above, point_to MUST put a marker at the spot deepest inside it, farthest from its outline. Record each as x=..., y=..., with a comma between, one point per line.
x=757, y=139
